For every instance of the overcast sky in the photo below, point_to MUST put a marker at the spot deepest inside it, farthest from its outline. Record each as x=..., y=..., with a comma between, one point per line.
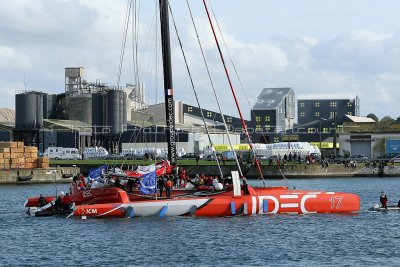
x=312, y=46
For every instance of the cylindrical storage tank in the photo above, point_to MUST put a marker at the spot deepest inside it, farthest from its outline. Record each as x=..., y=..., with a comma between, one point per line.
x=80, y=108
x=98, y=119
x=124, y=109
x=49, y=106
x=113, y=111
x=29, y=111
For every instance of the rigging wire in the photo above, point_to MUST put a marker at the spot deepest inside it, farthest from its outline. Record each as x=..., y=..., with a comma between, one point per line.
x=195, y=92
x=214, y=91
x=233, y=92
x=125, y=33
x=236, y=72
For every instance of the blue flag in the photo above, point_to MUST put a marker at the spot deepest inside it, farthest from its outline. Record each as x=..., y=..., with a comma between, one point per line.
x=148, y=179
x=96, y=173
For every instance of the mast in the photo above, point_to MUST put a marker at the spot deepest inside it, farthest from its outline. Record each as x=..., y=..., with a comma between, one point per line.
x=168, y=88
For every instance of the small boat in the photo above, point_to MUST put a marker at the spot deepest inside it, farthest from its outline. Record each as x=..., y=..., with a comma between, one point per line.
x=377, y=207
x=24, y=178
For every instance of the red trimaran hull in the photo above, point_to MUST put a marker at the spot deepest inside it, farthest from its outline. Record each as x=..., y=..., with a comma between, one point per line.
x=275, y=200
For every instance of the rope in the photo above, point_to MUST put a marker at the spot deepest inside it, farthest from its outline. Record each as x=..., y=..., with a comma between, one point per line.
x=125, y=34
x=195, y=92
x=233, y=92
x=215, y=92
x=236, y=72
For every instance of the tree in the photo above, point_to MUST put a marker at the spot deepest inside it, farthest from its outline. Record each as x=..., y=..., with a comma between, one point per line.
x=373, y=116
x=387, y=119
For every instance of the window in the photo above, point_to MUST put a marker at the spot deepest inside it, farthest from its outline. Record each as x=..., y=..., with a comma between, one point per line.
x=325, y=130
x=302, y=104
x=190, y=109
x=267, y=118
x=209, y=114
x=276, y=139
x=350, y=113
x=302, y=114
x=258, y=128
x=311, y=130
x=258, y=118
x=332, y=104
x=317, y=104
x=267, y=127
x=349, y=104
x=317, y=114
x=332, y=114
x=229, y=119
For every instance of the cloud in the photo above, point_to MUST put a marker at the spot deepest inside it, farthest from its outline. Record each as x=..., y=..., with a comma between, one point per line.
x=40, y=38
x=10, y=59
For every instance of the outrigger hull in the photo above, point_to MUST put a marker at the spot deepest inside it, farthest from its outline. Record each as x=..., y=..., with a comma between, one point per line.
x=269, y=201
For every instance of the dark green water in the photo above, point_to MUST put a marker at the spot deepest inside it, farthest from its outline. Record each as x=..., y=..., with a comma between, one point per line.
x=363, y=239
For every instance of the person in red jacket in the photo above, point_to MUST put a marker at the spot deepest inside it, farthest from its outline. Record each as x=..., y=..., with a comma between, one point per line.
x=383, y=200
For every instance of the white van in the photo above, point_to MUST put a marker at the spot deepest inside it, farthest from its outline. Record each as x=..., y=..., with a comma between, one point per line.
x=62, y=153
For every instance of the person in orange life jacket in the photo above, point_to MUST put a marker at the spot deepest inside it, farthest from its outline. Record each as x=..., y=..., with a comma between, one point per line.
x=383, y=200
x=168, y=186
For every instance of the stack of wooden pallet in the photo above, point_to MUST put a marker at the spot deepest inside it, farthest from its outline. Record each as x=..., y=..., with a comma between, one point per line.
x=14, y=155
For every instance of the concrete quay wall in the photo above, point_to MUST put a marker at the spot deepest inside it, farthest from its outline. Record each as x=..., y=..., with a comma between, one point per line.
x=48, y=175
x=297, y=171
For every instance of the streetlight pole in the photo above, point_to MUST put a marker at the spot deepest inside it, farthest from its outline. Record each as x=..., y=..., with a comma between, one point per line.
x=289, y=133
x=320, y=133
x=320, y=137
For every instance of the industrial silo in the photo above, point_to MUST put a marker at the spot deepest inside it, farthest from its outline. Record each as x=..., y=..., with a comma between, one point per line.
x=29, y=110
x=49, y=106
x=80, y=108
x=124, y=108
x=98, y=115
x=114, y=119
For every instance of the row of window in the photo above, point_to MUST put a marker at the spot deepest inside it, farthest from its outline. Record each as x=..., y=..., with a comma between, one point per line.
x=332, y=104
x=209, y=114
x=266, y=118
x=331, y=114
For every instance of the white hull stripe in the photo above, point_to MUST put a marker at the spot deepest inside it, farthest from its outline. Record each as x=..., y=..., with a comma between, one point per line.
x=105, y=213
x=253, y=205
x=289, y=205
x=289, y=196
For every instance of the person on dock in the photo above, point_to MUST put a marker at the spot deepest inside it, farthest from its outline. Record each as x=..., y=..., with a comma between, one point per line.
x=383, y=200
x=42, y=201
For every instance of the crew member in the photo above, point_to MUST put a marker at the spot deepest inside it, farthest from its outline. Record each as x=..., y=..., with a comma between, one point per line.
x=42, y=201
x=245, y=186
x=160, y=185
x=168, y=186
x=66, y=202
x=58, y=205
x=383, y=200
